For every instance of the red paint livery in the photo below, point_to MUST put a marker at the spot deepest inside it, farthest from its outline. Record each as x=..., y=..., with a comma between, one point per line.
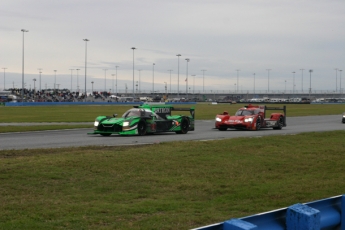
x=251, y=117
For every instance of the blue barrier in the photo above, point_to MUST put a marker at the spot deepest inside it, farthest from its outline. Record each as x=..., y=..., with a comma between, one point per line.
x=68, y=103
x=325, y=214
x=84, y=103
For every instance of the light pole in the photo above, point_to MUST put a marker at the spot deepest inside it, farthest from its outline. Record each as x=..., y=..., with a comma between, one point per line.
x=203, y=80
x=310, y=71
x=237, y=80
x=40, y=72
x=153, y=78
x=170, y=79
x=193, y=82
x=105, y=80
x=285, y=87
x=34, y=86
x=86, y=40
x=336, y=79
x=133, y=48
x=165, y=88
x=139, y=80
x=24, y=31
x=254, y=83
x=4, y=79
x=113, y=80
x=71, y=79
x=178, y=74
x=78, y=79
x=302, y=79
x=340, y=81
x=268, y=77
x=293, y=82
x=55, y=79
x=187, y=59
x=116, y=79
x=92, y=88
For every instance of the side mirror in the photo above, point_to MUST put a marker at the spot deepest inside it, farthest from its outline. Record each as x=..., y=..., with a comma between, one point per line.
x=114, y=115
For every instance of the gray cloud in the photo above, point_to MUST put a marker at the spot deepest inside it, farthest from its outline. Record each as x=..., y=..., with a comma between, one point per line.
x=220, y=36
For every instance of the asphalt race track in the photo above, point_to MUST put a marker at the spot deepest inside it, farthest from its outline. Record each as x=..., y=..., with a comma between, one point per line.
x=204, y=131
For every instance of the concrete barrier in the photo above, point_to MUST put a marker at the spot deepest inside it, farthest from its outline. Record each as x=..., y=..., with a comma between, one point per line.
x=325, y=214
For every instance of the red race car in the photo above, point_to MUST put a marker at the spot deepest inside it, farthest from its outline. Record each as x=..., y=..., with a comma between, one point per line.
x=251, y=117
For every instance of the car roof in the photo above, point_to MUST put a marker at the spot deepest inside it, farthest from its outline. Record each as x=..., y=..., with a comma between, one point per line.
x=245, y=108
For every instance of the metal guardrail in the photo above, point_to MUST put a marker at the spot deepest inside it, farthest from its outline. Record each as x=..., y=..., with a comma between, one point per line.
x=325, y=214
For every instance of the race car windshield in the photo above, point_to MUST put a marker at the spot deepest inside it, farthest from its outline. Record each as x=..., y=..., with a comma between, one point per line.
x=131, y=113
x=244, y=112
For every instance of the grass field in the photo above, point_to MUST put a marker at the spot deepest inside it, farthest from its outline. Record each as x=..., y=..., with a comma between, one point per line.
x=169, y=185
x=203, y=111
x=177, y=185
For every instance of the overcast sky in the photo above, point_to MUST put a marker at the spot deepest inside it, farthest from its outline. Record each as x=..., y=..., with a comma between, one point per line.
x=219, y=36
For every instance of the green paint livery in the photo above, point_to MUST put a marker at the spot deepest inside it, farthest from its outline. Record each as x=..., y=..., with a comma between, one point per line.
x=145, y=119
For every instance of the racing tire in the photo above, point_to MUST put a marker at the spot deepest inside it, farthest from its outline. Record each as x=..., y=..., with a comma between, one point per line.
x=258, y=124
x=142, y=128
x=105, y=134
x=222, y=129
x=184, y=126
x=280, y=124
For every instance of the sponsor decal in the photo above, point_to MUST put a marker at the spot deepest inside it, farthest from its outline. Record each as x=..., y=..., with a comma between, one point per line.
x=235, y=121
x=162, y=110
x=175, y=123
x=153, y=126
x=271, y=123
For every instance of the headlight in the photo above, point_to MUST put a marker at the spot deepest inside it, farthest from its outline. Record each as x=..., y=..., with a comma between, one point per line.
x=126, y=123
x=96, y=123
x=343, y=115
x=218, y=119
x=250, y=119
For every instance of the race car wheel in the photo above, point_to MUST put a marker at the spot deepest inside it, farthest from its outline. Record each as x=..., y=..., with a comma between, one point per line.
x=142, y=128
x=280, y=123
x=184, y=126
x=258, y=123
x=105, y=134
x=222, y=129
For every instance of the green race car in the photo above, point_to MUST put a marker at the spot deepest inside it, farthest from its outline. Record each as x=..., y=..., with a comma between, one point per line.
x=144, y=119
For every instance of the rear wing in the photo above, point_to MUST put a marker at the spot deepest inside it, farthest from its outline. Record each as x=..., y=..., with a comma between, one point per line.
x=277, y=108
x=163, y=110
x=191, y=110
